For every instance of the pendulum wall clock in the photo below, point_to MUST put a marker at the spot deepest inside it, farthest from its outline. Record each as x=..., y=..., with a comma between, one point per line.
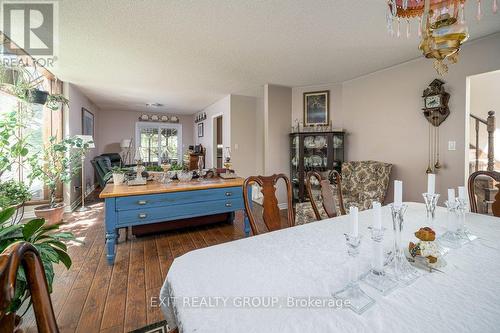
x=435, y=111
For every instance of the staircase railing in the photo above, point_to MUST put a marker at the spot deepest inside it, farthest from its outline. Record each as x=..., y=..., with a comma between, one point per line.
x=490, y=124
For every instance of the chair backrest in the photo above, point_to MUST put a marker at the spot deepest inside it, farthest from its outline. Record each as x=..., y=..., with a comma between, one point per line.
x=495, y=207
x=25, y=255
x=271, y=212
x=114, y=159
x=328, y=202
x=364, y=182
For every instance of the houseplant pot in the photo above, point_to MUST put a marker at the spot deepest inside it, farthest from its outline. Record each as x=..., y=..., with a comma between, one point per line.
x=118, y=178
x=36, y=96
x=51, y=215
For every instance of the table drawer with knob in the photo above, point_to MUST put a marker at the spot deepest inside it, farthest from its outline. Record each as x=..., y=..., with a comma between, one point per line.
x=173, y=212
x=177, y=198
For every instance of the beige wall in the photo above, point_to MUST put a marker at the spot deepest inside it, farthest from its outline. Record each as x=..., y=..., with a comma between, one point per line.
x=382, y=115
x=336, y=114
x=73, y=126
x=115, y=125
x=384, y=118
x=221, y=107
x=277, y=112
x=243, y=134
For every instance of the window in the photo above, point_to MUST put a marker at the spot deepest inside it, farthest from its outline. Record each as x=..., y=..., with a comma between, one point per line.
x=42, y=124
x=21, y=170
x=159, y=142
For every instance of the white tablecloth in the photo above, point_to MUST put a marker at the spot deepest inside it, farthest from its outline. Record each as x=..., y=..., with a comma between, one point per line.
x=310, y=260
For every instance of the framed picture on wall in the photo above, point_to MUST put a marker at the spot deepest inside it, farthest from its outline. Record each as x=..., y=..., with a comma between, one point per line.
x=87, y=122
x=200, y=130
x=317, y=108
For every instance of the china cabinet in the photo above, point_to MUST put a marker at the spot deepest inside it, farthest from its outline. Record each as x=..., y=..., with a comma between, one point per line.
x=314, y=151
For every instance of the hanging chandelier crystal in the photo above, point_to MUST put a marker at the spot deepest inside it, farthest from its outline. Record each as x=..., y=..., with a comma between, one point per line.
x=441, y=26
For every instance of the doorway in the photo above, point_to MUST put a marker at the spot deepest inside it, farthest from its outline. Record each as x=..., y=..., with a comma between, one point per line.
x=483, y=135
x=217, y=135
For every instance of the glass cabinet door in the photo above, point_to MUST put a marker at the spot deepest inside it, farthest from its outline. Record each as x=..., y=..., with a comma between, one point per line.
x=315, y=152
x=295, y=164
x=338, y=151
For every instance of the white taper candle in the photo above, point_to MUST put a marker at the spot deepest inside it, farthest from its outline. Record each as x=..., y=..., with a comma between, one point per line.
x=398, y=193
x=451, y=194
x=353, y=213
x=377, y=215
x=431, y=183
x=461, y=193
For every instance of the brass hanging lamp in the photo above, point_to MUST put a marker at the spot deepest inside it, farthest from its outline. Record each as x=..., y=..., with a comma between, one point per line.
x=442, y=26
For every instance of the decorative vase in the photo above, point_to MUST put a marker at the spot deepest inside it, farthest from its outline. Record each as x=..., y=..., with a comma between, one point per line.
x=52, y=215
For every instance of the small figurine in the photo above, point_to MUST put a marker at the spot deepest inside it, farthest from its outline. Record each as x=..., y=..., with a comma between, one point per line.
x=426, y=248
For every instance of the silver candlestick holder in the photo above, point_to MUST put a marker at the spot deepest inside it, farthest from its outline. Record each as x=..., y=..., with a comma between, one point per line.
x=355, y=298
x=462, y=209
x=376, y=276
x=452, y=238
x=431, y=200
x=401, y=269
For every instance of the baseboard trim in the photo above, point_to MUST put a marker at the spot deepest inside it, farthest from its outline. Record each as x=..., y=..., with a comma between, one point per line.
x=78, y=201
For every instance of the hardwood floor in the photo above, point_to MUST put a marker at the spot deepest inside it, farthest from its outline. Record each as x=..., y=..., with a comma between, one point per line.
x=95, y=297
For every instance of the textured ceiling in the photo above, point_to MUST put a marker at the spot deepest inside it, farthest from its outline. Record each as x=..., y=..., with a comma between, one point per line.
x=187, y=54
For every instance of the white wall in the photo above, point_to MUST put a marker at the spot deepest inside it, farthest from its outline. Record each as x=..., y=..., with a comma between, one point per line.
x=221, y=107
x=73, y=126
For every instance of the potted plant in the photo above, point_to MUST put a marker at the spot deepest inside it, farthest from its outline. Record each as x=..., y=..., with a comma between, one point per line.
x=13, y=147
x=26, y=84
x=14, y=194
x=50, y=245
x=55, y=101
x=57, y=162
x=118, y=175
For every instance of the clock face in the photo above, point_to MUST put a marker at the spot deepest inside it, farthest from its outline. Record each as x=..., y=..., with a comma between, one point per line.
x=433, y=101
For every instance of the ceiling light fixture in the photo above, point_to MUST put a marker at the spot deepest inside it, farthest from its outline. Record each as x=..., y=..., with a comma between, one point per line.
x=442, y=26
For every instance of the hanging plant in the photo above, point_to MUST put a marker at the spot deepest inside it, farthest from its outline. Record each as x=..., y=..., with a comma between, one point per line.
x=25, y=85
x=56, y=101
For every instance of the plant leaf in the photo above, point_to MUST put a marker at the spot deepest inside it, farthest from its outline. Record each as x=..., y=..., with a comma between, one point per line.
x=31, y=227
x=64, y=258
x=13, y=231
x=6, y=214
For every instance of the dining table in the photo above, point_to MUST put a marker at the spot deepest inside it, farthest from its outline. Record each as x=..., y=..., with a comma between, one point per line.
x=283, y=281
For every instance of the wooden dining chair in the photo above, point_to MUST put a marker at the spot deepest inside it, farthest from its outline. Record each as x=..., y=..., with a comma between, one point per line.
x=12, y=258
x=495, y=206
x=328, y=202
x=271, y=212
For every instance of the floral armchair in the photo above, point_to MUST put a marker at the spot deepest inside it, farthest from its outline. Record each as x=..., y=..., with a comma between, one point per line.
x=364, y=182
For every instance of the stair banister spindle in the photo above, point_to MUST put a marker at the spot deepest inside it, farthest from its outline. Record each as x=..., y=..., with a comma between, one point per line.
x=477, y=144
x=491, y=126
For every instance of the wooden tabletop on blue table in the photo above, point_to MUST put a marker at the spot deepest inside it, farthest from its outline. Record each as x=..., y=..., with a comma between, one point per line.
x=153, y=187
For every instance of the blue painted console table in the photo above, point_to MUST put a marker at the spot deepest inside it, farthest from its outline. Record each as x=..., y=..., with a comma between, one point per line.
x=155, y=202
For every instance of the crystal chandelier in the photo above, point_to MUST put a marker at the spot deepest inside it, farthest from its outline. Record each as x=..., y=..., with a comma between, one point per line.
x=441, y=26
